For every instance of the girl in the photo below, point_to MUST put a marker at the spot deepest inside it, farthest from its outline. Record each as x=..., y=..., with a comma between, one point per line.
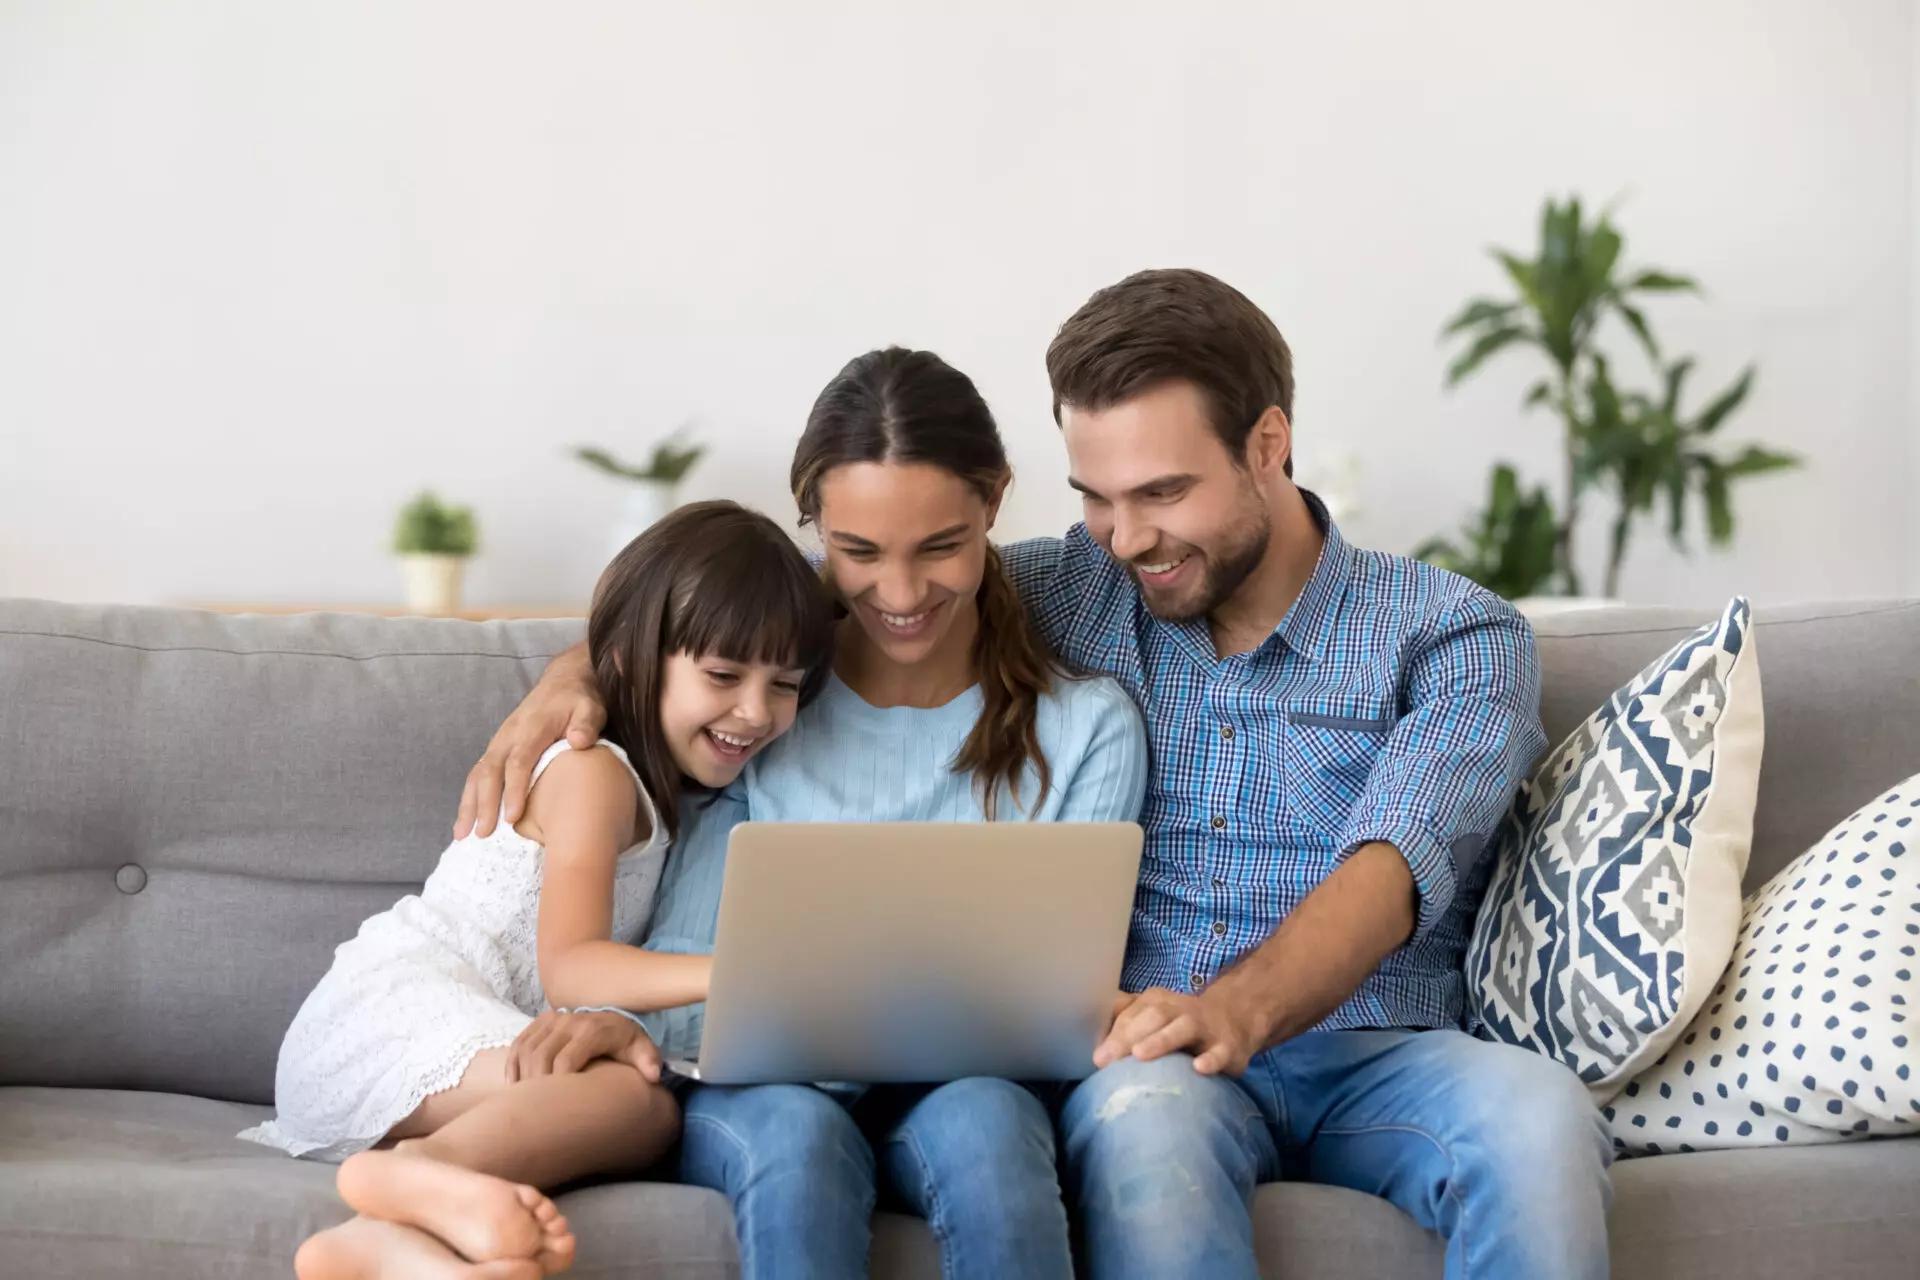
x=944, y=704
x=706, y=636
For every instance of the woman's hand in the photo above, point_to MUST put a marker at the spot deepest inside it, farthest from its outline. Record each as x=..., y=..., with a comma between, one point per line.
x=565, y=704
x=559, y=1043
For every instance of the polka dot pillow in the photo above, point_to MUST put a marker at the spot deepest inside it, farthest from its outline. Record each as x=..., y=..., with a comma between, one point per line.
x=1813, y=1035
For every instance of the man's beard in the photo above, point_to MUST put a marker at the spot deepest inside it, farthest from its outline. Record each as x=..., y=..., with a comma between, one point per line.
x=1224, y=568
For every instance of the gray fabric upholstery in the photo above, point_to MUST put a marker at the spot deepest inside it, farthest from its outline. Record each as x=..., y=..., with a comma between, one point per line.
x=195, y=810
x=274, y=780
x=1841, y=683
x=97, y=1183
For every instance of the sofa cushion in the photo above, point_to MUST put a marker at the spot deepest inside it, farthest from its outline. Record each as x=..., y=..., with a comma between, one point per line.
x=103, y=1183
x=99, y=1185
x=1616, y=893
x=1813, y=1033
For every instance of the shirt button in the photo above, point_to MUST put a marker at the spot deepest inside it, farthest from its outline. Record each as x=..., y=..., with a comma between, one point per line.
x=1226, y=731
x=1199, y=980
x=1218, y=883
x=1219, y=823
x=1219, y=928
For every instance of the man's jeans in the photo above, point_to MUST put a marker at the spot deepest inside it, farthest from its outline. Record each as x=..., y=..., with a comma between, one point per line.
x=975, y=1158
x=1499, y=1150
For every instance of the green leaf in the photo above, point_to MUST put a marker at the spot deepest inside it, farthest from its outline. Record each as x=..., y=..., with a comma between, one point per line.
x=1480, y=311
x=1605, y=402
x=1676, y=379
x=1509, y=547
x=1719, y=507
x=428, y=526
x=1524, y=276
x=1541, y=392
x=1714, y=414
x=1559, y=233
x=1603, y=251
x=1661, y=282
x=1676, y=483
x=1638, y=323
x=668, y=462
x=606, y=462
x=1483, y=346
x=1754, y=461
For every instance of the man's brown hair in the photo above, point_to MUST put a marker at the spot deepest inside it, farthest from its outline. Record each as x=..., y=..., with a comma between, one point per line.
x=1158, y=326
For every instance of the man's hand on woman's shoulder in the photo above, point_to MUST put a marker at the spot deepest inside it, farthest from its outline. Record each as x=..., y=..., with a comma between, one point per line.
x=565, y=704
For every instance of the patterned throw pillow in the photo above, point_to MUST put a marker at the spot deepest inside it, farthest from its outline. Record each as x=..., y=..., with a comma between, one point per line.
x=1615, y=896
x=1813, y=1034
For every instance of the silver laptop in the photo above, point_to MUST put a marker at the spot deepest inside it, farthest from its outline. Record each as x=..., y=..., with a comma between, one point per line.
x=916, y=951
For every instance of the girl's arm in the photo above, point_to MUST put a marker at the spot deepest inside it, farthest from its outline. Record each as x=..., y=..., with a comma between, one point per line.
x=584, y=813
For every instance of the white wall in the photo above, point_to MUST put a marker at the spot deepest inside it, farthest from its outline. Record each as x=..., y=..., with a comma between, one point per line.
x=1911, y=501
x=267, y=269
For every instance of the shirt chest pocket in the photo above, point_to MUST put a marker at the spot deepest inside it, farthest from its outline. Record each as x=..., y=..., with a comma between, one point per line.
x=1329, y=752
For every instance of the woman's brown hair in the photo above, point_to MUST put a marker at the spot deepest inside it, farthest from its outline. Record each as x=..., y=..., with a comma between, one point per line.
x=906, y=406
x=712, y=578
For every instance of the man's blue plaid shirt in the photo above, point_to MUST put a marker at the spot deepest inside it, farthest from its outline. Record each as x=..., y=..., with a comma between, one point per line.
x=1394, y=702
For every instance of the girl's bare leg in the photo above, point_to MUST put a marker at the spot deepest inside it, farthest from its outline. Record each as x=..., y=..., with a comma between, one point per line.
x=550, y=1130
x=468, y=1160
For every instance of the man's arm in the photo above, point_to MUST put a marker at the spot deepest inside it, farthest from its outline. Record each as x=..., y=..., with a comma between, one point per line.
x=1433, y=798
x=565, y=704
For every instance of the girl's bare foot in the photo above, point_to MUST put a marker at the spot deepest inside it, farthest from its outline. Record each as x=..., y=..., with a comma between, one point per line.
x=368, y=1249
x=557, y=1242
x=482, y=1218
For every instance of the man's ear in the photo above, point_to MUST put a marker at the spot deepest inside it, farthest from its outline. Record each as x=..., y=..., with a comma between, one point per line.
x=1270, y=443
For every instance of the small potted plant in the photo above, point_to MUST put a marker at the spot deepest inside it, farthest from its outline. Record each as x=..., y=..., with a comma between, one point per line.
x=433, y=541
x=655, y=486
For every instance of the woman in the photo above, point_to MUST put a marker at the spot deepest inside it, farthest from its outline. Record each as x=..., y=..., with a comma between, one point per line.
x=943, y=705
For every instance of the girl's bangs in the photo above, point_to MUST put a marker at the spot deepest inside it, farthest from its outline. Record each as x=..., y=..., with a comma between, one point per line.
x=754, y=612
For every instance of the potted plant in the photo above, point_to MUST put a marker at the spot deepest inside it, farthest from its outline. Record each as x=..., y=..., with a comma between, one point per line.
x=1634, y=446
x=433, y=541
x=655, y=486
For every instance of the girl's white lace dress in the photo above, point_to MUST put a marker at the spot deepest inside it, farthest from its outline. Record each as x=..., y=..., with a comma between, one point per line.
x=428, y=984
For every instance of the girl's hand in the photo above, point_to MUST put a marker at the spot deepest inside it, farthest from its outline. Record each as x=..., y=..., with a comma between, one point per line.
x=560, y=1043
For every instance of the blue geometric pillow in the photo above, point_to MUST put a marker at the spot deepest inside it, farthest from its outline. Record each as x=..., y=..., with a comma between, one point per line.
x=1615, y=897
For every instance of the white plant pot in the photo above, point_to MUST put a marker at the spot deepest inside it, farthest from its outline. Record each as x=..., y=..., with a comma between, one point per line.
x=433, y=582
x=645, y=502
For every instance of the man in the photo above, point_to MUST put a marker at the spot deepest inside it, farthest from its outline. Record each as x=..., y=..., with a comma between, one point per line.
x=1335, y=734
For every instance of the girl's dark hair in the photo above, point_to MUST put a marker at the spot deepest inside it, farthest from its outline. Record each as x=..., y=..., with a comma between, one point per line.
x=906, y=406
x=713, y=578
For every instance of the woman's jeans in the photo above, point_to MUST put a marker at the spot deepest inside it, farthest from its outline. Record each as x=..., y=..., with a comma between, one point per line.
x=803, y=1169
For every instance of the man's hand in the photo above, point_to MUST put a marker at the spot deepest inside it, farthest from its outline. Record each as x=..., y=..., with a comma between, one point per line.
x=559, y=1044
x=565, y=704
x=1221, y=1037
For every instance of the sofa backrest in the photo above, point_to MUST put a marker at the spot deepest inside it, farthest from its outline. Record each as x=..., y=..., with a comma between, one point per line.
x=195, y=810
x=1841, y=685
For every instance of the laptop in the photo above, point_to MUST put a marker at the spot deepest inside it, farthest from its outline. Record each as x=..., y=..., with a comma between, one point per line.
x=916, y=951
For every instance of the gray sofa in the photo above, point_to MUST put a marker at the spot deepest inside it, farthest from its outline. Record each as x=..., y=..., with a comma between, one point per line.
x=195, y=809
